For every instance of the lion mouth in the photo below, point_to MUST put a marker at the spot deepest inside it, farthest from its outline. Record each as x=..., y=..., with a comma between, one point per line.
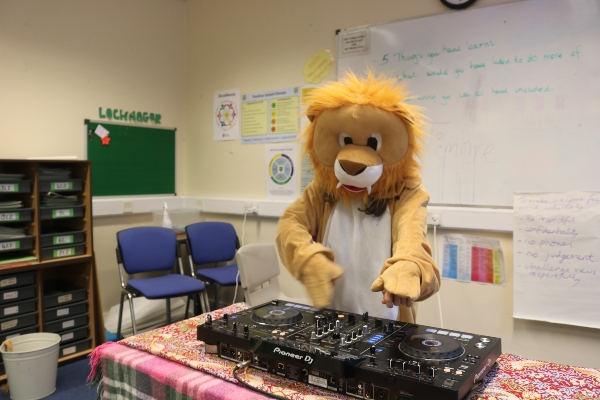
x=355, y=189
x=357, y=183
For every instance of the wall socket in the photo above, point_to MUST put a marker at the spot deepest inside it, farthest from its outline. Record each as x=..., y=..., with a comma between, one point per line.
x=127, y=207
x=250, y=208
x=434, y=218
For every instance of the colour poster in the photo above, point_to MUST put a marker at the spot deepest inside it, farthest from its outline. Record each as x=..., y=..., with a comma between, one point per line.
x=472, y=259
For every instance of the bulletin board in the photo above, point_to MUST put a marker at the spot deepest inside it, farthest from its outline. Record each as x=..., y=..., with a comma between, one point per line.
x=137, y=160
x=510, y=93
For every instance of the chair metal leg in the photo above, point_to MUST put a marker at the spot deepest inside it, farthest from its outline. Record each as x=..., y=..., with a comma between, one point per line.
x=206, y=306
x=168, y=311
x=217, y=296
x=130, y=298
x=120, y=316
x=187, y=306
x=203, y=308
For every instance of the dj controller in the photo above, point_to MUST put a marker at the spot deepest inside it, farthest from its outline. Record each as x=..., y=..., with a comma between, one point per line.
x=357, y=355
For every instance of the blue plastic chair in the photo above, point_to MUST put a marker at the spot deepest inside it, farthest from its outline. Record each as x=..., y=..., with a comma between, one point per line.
x=153, y=249
x=213, y=243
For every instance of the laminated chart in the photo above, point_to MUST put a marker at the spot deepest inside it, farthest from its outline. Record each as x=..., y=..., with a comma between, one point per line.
x=271, y=117
x=472, y=259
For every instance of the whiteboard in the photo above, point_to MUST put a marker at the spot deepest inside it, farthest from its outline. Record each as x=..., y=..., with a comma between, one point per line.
x=511, y=92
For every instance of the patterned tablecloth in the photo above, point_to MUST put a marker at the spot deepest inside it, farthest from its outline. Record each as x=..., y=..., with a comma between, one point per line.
x=156, y=366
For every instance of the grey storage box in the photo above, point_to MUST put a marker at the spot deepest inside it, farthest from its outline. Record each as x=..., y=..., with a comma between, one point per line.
x=60, y=185
x=20, y=308
x=65, y=311
x=61, y=212
x=20, y=186
x=66, y=324
x=74, y=335
x=15, y=215
x=57, y=293
x=51, y=253
x=16, y=280
x=19, y=243
x=63, y=238
x=18, y=322
x=19, y=332
x=17, y=294
x=75, y=347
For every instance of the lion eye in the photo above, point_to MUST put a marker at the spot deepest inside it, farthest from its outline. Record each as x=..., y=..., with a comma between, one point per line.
x=345, y=139
x=374, y=141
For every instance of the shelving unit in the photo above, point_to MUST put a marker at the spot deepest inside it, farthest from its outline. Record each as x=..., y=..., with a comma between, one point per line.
x=48, y=278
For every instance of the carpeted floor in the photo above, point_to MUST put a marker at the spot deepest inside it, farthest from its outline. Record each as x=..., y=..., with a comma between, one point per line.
x=70, y=383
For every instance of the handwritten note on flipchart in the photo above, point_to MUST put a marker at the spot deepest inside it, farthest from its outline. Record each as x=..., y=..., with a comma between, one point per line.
x=557, y=257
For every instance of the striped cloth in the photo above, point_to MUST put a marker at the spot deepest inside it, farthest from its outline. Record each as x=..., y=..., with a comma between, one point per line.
x=170, y=364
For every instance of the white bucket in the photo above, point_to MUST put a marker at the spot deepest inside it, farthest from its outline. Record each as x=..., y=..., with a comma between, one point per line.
x=31, y=366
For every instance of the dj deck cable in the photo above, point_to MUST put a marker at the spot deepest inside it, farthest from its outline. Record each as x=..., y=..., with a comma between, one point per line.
x=243, y=365
x=435, y=258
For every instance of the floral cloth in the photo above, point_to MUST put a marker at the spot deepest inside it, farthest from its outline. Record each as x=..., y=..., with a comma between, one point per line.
x=514, y=377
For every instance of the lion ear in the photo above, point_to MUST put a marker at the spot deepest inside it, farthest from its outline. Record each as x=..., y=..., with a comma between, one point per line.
x=310, y=117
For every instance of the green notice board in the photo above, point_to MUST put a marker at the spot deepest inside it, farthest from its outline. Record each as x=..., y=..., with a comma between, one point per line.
x=135, y=160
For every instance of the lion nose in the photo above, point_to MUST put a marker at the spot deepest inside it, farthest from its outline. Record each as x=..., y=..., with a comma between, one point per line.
x=352, y=168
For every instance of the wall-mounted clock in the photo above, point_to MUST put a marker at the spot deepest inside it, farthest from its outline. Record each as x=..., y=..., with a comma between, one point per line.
x=457, y=4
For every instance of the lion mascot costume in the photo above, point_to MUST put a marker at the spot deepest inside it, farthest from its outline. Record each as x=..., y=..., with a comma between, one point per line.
x=361, y=223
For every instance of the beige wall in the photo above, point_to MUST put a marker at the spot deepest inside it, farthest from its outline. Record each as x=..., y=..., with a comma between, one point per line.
x=61, y=60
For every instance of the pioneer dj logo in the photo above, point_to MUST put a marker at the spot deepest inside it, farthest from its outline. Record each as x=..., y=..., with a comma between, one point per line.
x=478, y=375
x=308, y=359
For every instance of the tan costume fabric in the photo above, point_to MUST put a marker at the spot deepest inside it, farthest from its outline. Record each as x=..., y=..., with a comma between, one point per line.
x=306, y=219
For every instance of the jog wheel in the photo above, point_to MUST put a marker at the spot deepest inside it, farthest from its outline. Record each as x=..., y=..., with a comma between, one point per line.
x=430, y=346
x=276, y=315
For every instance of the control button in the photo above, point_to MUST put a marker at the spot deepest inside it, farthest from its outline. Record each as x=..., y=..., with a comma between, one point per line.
x=365, y=329
x=454, y=334
x=458, y=372
x=448, y=383
x=442, y=332
x=480, y=345
x=465, y=336
x=485, y=340
x=365, y=316
x=430, y=330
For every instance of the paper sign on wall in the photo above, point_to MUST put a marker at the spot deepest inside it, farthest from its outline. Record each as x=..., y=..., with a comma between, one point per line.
x=226, y=115
x=281, y=171
x=557, y=257
x=472, y=259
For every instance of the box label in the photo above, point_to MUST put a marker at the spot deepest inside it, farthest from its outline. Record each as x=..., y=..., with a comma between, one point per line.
x=10, y=295
x=62, y=311
x=11, y=310
x=67, y=336
x=8, y=282
x=61, y=186
x=69, y=350
x=64, y=298
x=9, y=324
x=64, y=252
x=9, y=216
x=68, y=324
x=13, y=187
x=66, y=213
x=10, y=245
x=62, y=239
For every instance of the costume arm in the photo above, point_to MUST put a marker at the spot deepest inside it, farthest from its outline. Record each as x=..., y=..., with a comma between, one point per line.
x=410, y=245
x=310, y=262
x=410, y=274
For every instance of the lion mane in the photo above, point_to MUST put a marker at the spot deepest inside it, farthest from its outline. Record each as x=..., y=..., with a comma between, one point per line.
x=383, y=93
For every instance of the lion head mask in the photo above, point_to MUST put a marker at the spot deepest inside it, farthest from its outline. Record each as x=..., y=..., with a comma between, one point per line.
x=364, y=139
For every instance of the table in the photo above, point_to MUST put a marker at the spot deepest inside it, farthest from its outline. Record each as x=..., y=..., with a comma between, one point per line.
x=170, y=364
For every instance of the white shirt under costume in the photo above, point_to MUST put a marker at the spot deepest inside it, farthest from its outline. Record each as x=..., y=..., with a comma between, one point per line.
x=362, y=243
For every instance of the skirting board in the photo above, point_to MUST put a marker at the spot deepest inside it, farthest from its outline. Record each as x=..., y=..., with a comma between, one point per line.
x=445, y=217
